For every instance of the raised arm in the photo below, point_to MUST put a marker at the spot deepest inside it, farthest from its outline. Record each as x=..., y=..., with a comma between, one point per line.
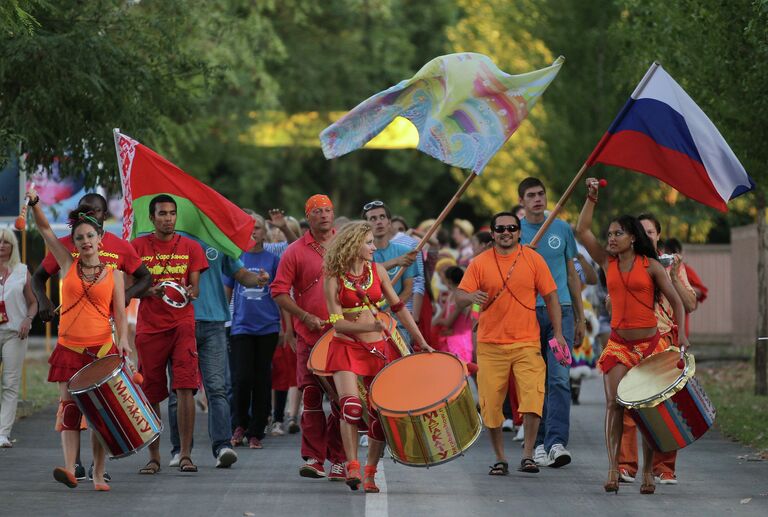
x=584, y=225
x=60, y=252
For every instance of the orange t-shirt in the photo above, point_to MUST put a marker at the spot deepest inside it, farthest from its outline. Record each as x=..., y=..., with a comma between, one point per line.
x=512, y=317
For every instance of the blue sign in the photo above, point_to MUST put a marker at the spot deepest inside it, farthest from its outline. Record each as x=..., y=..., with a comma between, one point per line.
x=11, y=188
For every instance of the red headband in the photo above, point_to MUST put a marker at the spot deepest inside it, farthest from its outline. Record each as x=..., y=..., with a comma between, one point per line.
x=317, y=201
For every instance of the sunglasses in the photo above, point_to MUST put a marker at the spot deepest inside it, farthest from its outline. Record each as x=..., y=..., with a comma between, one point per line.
x=511, y=228
x=372, y=205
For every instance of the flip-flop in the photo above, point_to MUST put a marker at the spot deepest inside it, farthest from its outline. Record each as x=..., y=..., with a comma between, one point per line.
x=528, y=466
x=500, y=468
x=151, y=468
x=187, y=467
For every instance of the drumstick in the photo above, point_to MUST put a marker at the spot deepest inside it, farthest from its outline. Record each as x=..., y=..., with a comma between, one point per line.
x=21, y=221
x=681, y=361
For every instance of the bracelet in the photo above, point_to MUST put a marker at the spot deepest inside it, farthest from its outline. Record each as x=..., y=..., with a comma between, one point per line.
x=303, y=317
x=592, y=198
x=397, y=307
x=333, y=318
x=33, y=203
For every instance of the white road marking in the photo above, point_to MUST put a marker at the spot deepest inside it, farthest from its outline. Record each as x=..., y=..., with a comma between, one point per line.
x=376, y=504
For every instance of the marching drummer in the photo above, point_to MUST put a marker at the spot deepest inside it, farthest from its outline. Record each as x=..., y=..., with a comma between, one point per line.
x=504, y=281
x=354, y=284
x=90, y=291
x=165, y=331
x=634, y=276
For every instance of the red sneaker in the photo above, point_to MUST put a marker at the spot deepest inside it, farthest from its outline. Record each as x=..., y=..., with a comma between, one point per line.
x=312, y=469
x=254, y=443
x=238, y=437
x=337, y=472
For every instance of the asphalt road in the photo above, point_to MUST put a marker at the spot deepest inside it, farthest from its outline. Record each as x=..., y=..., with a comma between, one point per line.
x=717, y=477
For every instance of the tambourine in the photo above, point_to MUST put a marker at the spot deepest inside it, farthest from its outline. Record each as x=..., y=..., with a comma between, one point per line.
x=178, y=294
x=562, y=354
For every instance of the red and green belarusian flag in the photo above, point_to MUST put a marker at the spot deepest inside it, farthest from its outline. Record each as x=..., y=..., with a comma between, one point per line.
x=201, y=211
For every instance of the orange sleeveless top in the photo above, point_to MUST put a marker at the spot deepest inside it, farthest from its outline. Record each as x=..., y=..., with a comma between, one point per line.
x=632, y=295
x=84, y=319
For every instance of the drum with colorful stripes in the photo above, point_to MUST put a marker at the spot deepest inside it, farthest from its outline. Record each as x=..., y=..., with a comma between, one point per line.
x=114, y=406
x=669, y=405
x=426, y=408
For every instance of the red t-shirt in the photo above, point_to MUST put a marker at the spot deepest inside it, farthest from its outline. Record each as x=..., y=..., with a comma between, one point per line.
x=114, y=252
x=173, y=260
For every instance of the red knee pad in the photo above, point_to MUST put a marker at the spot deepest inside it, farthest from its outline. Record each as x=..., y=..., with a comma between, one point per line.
x=313, y=398
x=69, y=417
x=351, y=409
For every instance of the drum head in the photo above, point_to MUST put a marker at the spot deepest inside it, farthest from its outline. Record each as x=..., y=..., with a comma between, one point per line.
x=655, y=379
x=318, y=357
x=418, y=382
x=95, y=373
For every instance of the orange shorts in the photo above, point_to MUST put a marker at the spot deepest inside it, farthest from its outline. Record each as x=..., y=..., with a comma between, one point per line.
x=494, y=362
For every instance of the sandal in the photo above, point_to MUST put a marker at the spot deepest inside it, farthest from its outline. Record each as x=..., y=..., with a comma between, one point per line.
x=353, y=474
x=151, y=468
x=528, y=466
x=500, y=468
x=612, y=485
x=370, y=480
x=649, y=485
x=64, y=476
x=188, y=466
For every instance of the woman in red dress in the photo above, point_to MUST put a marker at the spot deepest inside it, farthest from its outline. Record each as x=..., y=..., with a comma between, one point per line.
x=90, y=291
x=354, y=287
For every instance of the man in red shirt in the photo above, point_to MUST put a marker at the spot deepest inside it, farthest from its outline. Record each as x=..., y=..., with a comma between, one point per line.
x=167, y=334
x=114, y=252
x=298, y=289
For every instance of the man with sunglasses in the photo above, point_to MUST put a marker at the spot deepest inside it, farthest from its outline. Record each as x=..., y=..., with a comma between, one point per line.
x=558, y=248
x=393, y=256
x=505, y=280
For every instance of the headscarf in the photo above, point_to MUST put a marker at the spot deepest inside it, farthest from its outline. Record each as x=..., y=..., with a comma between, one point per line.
x=317, y=201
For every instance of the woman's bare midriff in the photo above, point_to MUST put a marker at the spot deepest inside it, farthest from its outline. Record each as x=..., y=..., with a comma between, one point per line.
x=368, y=337
x=632, y=334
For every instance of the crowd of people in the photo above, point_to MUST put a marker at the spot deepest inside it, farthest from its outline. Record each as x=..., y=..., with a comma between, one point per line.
x=243, y=343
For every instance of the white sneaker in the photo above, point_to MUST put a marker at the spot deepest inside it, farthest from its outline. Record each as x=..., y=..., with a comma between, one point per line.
x=625, y=476
x=559, y=456
x=540, y=456
x=520, y=436
x=276, y=429
x=5, y=443
x=508, y=426
x=225, y=458
x=364, y=441
x=175, y=460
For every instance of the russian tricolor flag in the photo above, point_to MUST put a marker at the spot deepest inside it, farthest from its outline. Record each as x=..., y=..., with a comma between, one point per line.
x=663, y=133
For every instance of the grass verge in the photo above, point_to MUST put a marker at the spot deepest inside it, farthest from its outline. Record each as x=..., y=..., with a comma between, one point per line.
x=39, y=392
x=741, y=414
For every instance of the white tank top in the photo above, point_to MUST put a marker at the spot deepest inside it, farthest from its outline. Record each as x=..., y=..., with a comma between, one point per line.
x=12, y=293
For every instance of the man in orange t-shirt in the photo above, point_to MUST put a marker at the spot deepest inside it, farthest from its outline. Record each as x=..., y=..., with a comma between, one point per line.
x=504, y=281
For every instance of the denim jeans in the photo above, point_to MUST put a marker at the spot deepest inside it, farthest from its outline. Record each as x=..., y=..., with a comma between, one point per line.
x=556, y=417
x=213, y=359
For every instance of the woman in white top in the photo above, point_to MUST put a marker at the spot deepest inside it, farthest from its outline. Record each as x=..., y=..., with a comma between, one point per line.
x=17, y=308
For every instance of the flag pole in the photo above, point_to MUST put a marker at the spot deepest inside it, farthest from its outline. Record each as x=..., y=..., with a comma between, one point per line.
x=587, y=164
x=440, y=218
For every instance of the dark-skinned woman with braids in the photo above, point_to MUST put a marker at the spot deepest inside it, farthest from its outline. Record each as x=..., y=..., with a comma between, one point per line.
x=634, y=277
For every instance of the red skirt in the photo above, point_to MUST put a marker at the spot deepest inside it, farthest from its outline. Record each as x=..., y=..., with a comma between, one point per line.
x=66, y=362
x=283, y=368
x=366, y=359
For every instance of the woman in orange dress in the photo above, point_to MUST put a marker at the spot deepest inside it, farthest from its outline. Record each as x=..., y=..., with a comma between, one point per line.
x=90, y=291
x=634, y=277
x=354, y=285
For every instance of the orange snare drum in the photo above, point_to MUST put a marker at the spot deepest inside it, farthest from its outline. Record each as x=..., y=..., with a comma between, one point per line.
x=426, y=408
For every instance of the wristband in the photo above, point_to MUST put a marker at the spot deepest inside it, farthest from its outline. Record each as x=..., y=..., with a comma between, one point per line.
x=33, y=203
x=397, y=307
x=592, y=198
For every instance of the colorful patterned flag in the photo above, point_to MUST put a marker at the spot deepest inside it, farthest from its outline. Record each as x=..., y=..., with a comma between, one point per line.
x=201, y=211
x=463, y=106
x=663, y=133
